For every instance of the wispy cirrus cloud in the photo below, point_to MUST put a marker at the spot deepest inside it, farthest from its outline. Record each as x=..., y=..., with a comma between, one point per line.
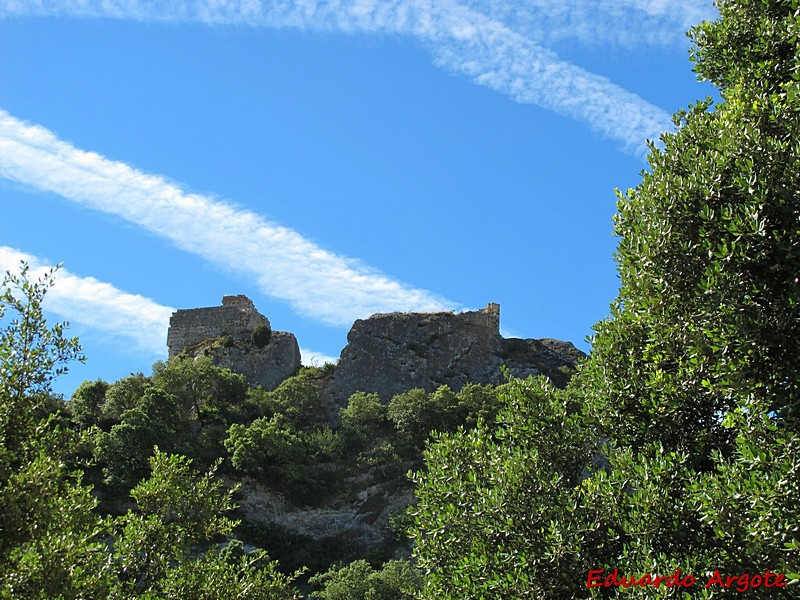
x=624, y=23
x=96, y=304
x=498, y=44
x=316, y=282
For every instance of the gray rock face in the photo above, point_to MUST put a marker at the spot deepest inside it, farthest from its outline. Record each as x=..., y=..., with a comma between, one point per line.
x=356, y=522
x=553, y=358
x=267, y=366
x=392, y=353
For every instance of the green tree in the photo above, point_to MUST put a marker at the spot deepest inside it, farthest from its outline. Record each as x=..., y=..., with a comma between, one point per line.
x=261, y=335
x=179, y=511
x=478, y=402
x=299, y=399
x=51, y=540
x=692, y=385
x=708, y=313
x=123, y=395
x=396, y=580
x=267, y=448
x=31, y=356
x=496, y=512
x=86, y=403
x=185, y=408
x=362, y=418
x=415, y=413
x=158, y=419
x=212, y=394
x=412, y=416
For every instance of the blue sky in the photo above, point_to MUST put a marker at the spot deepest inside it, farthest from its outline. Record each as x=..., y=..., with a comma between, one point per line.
x=328, y=159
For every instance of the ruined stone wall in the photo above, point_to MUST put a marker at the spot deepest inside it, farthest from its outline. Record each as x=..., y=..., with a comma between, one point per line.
x=236, y=317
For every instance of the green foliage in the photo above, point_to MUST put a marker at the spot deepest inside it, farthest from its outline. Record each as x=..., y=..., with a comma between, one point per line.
x=750, y=502
x=31, y=356
x=709, y=307
x=50, y=537
x=158, y=419
x=123, y=395
x=229, y=573
x=412, y=415
x=211, y=393
x=261, y=335
x=86, y=404
x=487, y=523
x=260, y=403
x=186, y=408
x=268, y=449
x=53, y=542
x=415, y=414
x=478, y=402
x=298, y=398
x=692, y=385
x=323, y=444
x=361, y=419
x=396, y=580
x=178, y=511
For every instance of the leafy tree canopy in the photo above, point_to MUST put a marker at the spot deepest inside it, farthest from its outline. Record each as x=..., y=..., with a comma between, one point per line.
x=688, y=405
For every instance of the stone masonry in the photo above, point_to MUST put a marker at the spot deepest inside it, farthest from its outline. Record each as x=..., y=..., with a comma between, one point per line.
x=236, y=317
x=386, y=353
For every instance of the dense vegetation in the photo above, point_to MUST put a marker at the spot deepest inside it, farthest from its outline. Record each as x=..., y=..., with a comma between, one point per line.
x=692, y=390
x=676, y=446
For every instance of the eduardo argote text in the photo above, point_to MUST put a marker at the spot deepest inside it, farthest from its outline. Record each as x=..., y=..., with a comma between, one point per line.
x=741, y=583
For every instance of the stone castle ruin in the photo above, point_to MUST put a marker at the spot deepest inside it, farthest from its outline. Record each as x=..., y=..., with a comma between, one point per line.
x=225, y=334
x=236, y=317
x=385, y=353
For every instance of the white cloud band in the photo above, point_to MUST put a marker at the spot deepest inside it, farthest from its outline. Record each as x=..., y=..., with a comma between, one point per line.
x=98, y=305
x=496, y=43
x=317, y=283
x=102, y=307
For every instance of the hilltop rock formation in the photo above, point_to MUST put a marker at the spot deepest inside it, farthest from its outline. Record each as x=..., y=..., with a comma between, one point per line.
x=237, y=337
x=395, y=352
x=386, y=353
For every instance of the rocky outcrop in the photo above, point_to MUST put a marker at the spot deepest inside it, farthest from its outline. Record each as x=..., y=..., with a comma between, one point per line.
x=387, y=354
x=392, y=353
x=237, y=337
x=355, y=521
x=265, y=366
x=555, y=359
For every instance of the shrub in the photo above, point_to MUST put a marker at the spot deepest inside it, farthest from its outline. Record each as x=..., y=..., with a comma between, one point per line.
x=261, y=335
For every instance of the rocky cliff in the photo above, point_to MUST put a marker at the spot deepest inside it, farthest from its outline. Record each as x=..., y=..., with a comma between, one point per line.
x=392, y=353
x=349, y=490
